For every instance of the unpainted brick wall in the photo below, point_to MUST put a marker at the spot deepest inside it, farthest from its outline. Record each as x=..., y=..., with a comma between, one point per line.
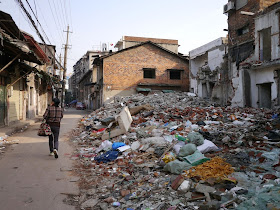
x=267, y=3
x=237, y=20
x=124, y=70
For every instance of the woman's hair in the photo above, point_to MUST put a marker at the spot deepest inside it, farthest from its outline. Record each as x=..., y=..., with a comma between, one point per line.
x=56, y=102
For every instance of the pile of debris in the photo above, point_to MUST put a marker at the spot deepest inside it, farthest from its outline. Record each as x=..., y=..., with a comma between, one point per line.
x=176, y=151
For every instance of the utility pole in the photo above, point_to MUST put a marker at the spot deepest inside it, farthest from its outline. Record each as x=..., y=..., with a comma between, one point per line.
x=64, y=72
x=58, y=94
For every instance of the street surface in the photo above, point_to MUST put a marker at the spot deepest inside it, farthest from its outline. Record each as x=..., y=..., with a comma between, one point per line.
x=30, y=178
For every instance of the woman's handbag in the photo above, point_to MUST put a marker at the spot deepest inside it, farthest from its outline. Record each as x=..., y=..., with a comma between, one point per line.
x=45, y=129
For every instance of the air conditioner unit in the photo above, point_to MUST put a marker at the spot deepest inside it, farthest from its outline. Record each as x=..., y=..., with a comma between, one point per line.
x=229, y=6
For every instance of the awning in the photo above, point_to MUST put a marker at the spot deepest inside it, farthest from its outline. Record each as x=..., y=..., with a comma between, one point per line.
x=143, y=89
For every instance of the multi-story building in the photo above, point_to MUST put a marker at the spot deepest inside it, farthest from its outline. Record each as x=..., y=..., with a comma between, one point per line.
x=208, y=64
x=253, y=32
x=25, y=86
x=80, y=82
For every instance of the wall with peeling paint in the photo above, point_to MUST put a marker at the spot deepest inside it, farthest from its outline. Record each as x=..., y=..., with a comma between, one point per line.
x=205, y=67
x=260, y=72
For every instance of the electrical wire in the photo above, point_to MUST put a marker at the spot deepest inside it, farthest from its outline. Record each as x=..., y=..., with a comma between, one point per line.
x=60, y=34
x=38, y=21
x=70, y=15
x=65, y=6
x=53, y=16
x=37, y=31
x=62, y=12
x=57, y=15
x=35, y=7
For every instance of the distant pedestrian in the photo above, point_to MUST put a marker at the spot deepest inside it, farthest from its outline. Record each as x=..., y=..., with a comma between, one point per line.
x=53, y=116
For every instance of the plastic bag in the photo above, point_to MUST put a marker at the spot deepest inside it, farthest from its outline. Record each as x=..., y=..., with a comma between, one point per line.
x=196, y=138
x=186, y=150
x=116, y=145
x=105, y=145
x=207, y=146
x=178, y=146
x=196, y=158
x=107, y=157
x=177, y=167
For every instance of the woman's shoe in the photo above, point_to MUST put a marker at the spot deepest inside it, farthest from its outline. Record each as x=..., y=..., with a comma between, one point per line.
x=55, y=153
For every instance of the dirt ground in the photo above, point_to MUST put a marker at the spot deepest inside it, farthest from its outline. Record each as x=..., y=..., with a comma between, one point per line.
x=30, y=178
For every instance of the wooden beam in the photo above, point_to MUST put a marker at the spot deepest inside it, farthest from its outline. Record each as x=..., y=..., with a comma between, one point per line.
x=8, y=64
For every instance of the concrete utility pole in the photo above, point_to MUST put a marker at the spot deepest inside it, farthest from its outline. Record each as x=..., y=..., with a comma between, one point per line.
x=64, y=72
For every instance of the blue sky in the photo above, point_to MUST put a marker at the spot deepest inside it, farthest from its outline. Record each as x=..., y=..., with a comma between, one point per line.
x=192, y=23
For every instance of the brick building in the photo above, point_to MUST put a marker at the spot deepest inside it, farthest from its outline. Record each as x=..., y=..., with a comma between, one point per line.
x=142, y=67
x=253, y=33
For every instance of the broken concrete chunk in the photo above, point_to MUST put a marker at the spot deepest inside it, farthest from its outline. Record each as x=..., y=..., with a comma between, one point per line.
x=135, y=145
x=185, y=186
x=124, y=120
x=90, y=203
x=137, y=109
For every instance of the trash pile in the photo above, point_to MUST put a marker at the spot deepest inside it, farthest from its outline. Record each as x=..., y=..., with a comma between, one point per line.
x=177, y=151
x=3, y=141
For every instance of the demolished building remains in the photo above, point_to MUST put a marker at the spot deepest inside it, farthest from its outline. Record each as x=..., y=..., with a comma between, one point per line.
x=208, y=65
x=179, y=152
x=253, y=42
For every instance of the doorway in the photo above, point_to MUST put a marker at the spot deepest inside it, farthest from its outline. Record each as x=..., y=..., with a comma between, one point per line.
x=2, y=105
x=264, y=92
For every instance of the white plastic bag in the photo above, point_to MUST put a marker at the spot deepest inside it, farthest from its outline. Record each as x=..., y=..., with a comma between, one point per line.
x=207, y=146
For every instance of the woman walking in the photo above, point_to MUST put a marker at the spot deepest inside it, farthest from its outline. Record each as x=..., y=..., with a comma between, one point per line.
x=53, y=116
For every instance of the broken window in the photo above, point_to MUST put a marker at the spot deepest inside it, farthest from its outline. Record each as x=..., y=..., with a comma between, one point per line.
x=175, y=74
x=240, y=3
x=149, y=73
x=243, y=30
x=265, y=44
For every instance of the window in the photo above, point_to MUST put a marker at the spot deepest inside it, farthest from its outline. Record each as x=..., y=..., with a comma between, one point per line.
x=243, y=30
x=149, y=73
x=265, y=44
x=175, y=74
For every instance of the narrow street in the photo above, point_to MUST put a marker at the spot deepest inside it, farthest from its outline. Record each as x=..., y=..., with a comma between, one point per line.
x=30, y=178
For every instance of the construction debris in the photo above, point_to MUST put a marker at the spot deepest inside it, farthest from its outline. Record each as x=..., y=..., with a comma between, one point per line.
x=177, y=151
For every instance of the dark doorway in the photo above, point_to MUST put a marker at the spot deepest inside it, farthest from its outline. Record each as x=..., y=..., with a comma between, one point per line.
x=265, y=95
x=2, y=105
x=247, y=88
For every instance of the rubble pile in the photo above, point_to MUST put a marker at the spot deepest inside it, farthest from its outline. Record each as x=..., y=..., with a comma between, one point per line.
x=176, y=151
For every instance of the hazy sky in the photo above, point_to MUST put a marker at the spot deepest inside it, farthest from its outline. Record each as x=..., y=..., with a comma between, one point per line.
x=92, y=22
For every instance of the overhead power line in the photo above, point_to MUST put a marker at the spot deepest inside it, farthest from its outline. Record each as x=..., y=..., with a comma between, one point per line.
x=37, y=31
x=38, y=21
x=57, y=23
